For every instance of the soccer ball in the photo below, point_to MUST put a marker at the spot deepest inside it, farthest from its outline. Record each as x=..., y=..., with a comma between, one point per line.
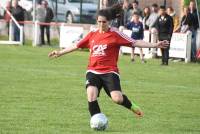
x=99, y=122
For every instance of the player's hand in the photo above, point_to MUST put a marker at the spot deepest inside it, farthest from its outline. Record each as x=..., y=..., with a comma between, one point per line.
x=54, y=54
x=162, y=44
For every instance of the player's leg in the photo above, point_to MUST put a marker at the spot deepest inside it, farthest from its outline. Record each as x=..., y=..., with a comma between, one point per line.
x=123, y=100
x=93, y=106
x=93, y=86
x=111, y=84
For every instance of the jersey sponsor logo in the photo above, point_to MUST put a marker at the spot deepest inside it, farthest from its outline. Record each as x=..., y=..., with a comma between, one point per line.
x=99, y=50
x=135, y=29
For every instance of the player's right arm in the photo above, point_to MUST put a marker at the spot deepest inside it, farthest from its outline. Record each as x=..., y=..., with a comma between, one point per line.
x=84, y=43
x=58, y=53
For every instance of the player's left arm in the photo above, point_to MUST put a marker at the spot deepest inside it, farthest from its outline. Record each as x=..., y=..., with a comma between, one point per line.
x=144, y=44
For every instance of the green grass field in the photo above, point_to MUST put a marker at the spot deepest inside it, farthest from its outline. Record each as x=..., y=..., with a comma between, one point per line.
x=43, y=96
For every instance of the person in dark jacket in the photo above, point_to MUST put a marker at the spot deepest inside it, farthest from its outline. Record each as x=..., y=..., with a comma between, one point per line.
x=193, y=12
x=48, y=16
x=18, y=13
x=186, y=21
x=165, y=26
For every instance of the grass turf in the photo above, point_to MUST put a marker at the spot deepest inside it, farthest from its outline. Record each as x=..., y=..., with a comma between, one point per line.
x=43, y=96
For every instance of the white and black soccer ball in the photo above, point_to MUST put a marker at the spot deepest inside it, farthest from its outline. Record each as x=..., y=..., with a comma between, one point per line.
x=99, y=122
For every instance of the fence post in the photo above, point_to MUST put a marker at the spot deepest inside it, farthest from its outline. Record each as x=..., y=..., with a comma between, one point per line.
x=11, y=38
x=198, y=39
x=36, y=34
x=21, y=28
x=188, y=47
x=154, y=38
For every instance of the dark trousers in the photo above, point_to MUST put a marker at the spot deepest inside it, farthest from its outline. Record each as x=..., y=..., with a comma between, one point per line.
x=193, y=46
x=42, y=29
x=16, y=32
x=165, y=55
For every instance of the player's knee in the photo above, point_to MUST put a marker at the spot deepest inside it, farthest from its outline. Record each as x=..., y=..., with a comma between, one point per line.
x=117, y=98
x=92, y=93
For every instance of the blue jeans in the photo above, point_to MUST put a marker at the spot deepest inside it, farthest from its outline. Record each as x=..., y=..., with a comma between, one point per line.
x=16, y=32
x=193, y=45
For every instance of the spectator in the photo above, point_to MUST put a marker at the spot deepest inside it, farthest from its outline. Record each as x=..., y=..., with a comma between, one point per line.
x=107, y=3
x=135, y=8
x=164, y=26
x=172, y=13
x=193, y=12
x=153, y=16
x=126, y=12
x=137, y=34
x=18, y=13
x=7, y=16
x=146, y=14
x=186, y=21
x=44, y=14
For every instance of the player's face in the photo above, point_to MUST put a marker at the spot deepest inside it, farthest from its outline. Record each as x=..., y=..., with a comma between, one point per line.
x=102, y=23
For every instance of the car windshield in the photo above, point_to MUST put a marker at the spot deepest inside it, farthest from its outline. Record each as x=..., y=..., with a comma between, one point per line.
x=84, y=1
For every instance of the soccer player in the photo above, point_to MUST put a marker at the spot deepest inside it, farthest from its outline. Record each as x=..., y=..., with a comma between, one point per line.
x=104, y=45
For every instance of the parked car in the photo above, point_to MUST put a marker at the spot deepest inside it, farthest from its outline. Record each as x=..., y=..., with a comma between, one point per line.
x=69, y=10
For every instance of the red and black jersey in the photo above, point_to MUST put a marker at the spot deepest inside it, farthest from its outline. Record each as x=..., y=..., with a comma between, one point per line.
x=104, y=49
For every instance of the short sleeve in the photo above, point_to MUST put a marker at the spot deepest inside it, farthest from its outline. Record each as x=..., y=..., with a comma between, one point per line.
x=128, y=26
x=124, y=40
x=84, y=43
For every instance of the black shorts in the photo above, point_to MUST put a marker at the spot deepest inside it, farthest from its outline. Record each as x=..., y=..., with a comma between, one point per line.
x=110, y=82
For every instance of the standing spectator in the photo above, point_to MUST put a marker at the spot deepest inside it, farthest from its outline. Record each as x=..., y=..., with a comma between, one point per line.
x=164, y=25
x=135, y=6
x=172, y=13
x=48, y=18
x=108, y=3
x=186, y=21
x=7, y=16
x=193, y=12
x=18, y=13
x=146, y=14
x=44, y=14
x=153, y=16
x=126, y=12
x=137, y=34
